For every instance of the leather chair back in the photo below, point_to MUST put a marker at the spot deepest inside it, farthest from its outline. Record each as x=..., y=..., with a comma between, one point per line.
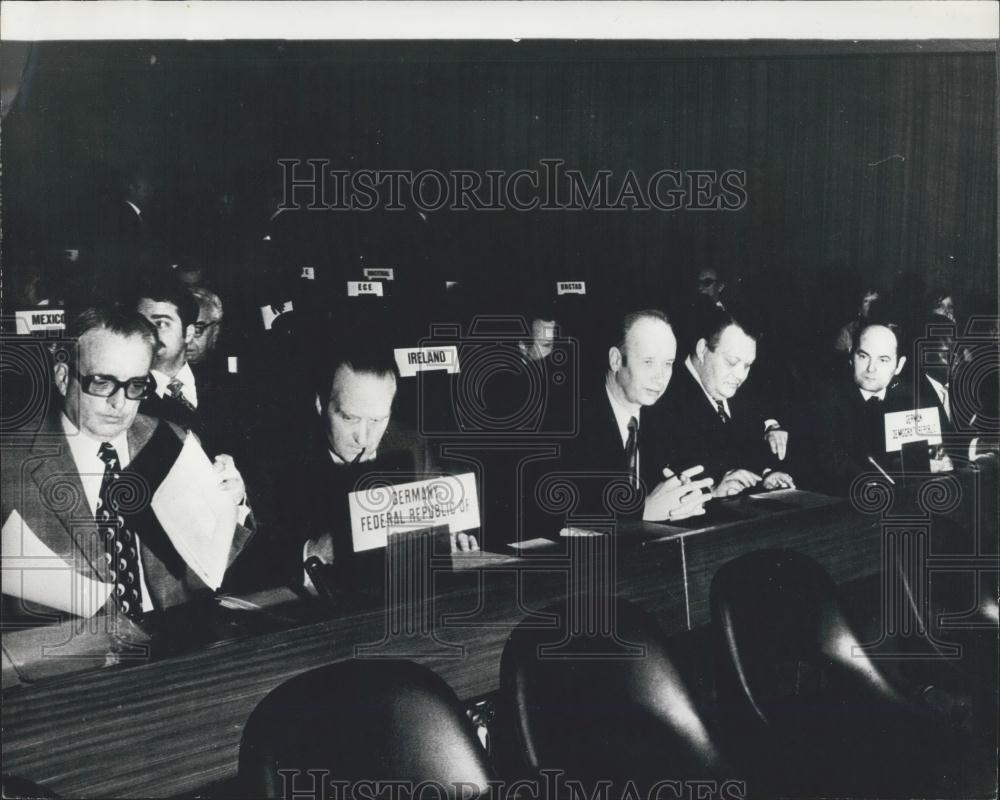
x=603, y=706
x=374, y=720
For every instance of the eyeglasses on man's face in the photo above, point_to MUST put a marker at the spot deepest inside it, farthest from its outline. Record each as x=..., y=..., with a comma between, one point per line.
x=108, y=385
x=706, y=282
x=201, y=327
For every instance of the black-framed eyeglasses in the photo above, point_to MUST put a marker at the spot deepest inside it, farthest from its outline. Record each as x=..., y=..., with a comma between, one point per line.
x=108, y=385
x=707, y=281
x=201, y=327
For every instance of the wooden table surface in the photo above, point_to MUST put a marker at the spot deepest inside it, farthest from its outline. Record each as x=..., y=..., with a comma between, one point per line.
x=182, y=703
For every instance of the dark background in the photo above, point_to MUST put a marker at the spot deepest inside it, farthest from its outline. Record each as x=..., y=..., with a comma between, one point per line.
x=863, y=161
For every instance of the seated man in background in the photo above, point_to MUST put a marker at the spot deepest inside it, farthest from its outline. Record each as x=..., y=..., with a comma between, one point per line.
x=94, y=440
x=702, y=422
x=849, y=416
x=201, y=348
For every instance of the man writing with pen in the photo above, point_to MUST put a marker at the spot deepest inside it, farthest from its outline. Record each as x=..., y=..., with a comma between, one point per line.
x=702, y=421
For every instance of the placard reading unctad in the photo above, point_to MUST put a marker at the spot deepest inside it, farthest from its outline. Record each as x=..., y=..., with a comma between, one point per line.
x=382, y=511
x=903, y=427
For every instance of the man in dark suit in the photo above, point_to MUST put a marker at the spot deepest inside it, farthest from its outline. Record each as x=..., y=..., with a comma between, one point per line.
x=849, y=416
x=613, y=443
x=61, y=484
x=208, y=401
x=703, y=422
x=354, y=439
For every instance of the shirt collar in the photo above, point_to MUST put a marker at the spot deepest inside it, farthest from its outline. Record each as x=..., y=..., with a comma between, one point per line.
x=868, y=395
x=689, y=363
x=184, y=375
x=135, y=208
x=85, y=447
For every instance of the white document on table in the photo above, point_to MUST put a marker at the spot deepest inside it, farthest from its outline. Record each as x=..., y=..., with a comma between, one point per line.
x=33, y=572
x=197, y=515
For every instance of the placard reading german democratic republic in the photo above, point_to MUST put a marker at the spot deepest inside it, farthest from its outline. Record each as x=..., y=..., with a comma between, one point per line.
x=903, y=427
x=381, y=511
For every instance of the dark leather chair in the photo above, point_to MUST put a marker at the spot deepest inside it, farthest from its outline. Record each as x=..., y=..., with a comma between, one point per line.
x=14, y=788
x=376, y=720
x=601, y=707
x=804, y=709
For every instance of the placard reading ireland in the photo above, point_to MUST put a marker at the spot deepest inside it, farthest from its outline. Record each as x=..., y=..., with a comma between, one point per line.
x=903, y=427
x=381, y=511
x=411, y=360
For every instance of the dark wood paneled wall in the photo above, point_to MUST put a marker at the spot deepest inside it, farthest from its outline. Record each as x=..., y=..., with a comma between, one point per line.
x=856, y=160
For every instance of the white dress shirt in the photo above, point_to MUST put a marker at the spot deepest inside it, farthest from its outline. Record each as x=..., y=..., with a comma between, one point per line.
x=84, y=449
x=868, y=395
x=189, y=388
x=711, y=400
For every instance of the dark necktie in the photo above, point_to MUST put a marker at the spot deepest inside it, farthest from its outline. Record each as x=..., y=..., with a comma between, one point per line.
x=121, y=549
x=174, y=387
x=874, y=402
x=632, y=451
x=721, y=409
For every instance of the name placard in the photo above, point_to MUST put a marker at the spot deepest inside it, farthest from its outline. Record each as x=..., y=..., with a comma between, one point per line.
x=359, y=288
x=379, y=273
x=382, y=511
x=903, y=427
x=411, y=360
x=40, y=320
x=571, y=287
x=271, y=312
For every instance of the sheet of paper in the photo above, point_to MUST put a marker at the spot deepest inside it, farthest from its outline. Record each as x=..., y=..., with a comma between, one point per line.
x=33, y=572
x=197, y=515
x=902, y=427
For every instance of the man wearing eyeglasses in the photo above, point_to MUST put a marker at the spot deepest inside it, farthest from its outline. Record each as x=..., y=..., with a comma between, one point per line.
x=207, y=329
x=62, y=485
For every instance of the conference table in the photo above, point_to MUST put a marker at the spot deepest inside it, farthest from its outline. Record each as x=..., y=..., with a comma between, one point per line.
x=157, y=709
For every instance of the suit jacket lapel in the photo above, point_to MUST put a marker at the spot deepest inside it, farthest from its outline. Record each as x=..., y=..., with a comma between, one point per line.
x=61, y=494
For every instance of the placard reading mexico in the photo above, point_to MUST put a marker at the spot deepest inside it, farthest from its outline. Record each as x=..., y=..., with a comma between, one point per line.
x=380, y=511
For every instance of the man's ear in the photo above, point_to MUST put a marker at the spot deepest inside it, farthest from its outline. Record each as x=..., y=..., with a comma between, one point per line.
x=61, y=374
x=319, y=405
x=700, y=349
x=899, y=365
x=615, y=359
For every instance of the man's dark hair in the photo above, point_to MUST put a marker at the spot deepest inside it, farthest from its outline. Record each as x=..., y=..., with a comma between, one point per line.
x=167, y=289
x=897, y=331
x=361, y=355
x=711, y=321
x=633, y=317
x=112, y=317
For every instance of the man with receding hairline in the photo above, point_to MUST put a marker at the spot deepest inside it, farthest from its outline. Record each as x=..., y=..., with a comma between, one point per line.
x=613, y=438
x=849, y=418
x=706, y=418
